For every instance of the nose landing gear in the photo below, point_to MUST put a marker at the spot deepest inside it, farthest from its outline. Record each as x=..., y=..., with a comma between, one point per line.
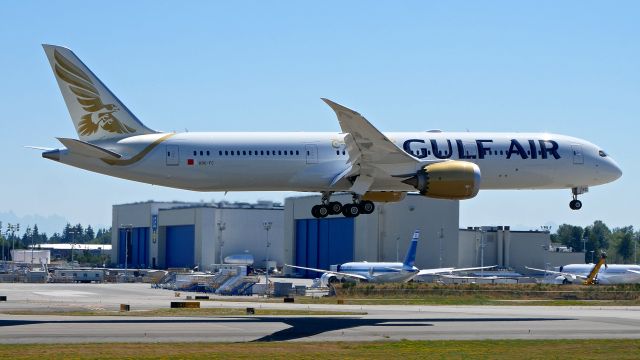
x=576, y=204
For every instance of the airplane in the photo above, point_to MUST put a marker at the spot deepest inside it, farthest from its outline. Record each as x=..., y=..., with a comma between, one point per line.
x=370, y=165
x=383, y=272
x=607, y=275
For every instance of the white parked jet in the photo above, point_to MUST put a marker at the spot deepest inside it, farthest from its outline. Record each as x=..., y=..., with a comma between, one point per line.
x=607, y=275
x=360, y=159
x=383, y=272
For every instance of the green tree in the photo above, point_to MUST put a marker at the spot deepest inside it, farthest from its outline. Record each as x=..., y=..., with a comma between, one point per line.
x=624, y=243
x=570, y=235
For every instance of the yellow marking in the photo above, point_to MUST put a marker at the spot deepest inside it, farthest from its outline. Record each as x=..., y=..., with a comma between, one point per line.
x=138, y=156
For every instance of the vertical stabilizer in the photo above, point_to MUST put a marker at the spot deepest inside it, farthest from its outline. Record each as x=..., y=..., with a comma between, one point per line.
x=410, y=259
x=96, y=113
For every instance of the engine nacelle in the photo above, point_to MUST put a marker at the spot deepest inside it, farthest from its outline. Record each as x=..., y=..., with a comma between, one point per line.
x=454, y=180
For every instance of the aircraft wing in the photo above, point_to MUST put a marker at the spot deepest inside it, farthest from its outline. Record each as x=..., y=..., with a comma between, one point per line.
x=634, y=271
x=558, y=273
x=354, y=276
x=442, y=271
x=371, y=153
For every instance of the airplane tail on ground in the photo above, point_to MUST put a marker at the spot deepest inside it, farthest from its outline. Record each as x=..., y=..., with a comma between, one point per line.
x=96, y=112
x=410, y=259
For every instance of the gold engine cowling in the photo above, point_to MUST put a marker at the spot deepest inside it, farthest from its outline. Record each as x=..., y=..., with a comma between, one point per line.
x=384, y=196
x=456, y=180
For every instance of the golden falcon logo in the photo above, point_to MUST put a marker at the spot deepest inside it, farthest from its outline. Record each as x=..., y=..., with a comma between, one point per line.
x=89, y=98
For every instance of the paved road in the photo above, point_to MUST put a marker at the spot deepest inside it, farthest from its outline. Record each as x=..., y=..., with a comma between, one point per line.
x=393, y=322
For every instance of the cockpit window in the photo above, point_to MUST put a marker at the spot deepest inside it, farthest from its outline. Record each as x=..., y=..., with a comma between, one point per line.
x=602, y=153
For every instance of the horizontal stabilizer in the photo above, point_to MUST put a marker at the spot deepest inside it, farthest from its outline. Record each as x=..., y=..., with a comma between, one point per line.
x=41, y=148
x=84, y=148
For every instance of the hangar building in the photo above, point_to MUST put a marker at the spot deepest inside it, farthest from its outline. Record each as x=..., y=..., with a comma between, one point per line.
x=185, y=235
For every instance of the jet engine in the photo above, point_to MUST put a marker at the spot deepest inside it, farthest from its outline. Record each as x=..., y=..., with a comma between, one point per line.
x=454, y=180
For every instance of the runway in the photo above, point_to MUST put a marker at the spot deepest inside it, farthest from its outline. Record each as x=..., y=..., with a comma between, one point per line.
x=393, y=322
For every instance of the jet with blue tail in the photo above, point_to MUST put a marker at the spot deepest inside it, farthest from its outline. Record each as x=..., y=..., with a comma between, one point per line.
x=382, y=272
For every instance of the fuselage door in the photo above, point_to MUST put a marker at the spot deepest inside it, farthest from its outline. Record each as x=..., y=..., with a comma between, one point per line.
x=578, y=156
x=173, y=155
x=311, y=153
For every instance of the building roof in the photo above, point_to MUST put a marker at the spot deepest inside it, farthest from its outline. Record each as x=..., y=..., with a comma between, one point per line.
x=74, y=246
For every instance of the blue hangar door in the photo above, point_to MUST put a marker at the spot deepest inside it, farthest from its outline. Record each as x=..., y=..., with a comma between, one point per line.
x=135, y=248
x=180, y=249
x=323, y=242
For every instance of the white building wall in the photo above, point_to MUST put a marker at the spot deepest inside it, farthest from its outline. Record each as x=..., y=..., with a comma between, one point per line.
x=390, y=227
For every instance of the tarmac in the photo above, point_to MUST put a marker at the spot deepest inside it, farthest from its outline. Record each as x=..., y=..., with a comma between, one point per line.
x=382, y=322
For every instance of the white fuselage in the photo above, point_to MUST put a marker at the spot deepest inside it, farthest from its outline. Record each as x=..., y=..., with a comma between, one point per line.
x=383, y=272
x=612, y=274
x=310, y=161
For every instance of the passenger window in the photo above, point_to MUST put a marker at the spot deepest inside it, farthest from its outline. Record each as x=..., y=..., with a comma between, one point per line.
x=249, y=152
x=207, y=152
x=226, y=152
x=297, y=152
x=337, y=152
x=200, y=152
x=261, y=152
x=231, y=152
x=195, y=153
x=343, y=152
x=244, y=152
x=267, y=152
x=220, y=152
x=279, y=152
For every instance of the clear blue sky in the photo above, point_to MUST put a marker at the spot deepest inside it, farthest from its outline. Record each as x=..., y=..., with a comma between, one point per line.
x=570, y=67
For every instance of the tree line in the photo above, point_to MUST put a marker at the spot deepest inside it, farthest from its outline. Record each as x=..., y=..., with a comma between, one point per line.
x=619, y=243
x=71, y=234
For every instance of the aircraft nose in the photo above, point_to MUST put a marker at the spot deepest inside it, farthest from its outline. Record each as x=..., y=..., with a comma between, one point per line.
x=612, y=170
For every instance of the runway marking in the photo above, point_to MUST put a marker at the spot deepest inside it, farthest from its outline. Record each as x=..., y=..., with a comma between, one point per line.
x=65, y=293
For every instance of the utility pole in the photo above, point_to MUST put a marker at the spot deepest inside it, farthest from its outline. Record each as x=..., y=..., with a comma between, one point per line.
x=221, y=226
x=127, y=235
x=267, y=226
x=440, y=236
x=482, y=253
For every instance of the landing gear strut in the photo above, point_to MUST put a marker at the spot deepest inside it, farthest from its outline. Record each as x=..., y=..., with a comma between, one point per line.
x=354, y=209
x=576, y=204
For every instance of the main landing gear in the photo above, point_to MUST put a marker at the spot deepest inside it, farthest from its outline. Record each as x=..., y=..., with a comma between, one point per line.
x=354, y=209
x=576, y=204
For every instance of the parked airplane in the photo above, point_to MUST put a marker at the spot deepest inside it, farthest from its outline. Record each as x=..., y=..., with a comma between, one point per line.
x=361, y=160
x=609, y=274
x=383, y=271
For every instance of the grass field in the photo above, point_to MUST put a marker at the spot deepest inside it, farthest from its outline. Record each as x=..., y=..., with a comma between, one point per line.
x=489, y=349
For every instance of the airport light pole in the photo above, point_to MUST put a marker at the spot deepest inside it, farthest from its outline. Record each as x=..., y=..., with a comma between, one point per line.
x=127, y=235
x=73, y=243
x=440, y=236
x=3, y=241
x=267, y=226
x=221, y=227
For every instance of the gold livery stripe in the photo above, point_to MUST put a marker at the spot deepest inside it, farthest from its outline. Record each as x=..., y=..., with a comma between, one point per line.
x=139, y=156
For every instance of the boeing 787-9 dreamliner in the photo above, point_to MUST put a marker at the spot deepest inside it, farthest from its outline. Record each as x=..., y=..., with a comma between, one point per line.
x=371, y=165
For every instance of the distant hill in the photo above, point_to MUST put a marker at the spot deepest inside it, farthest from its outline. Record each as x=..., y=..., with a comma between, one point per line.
x=47, y=224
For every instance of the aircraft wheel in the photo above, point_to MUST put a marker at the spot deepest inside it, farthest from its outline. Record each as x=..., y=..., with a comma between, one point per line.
x=350, y=210
x=319, y=211
x=575, y=204
x=366, y=207
x=335, y=208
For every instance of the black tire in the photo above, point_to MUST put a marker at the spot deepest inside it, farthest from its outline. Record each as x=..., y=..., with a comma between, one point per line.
x=577, y=205
x=314, y=211
x=366, y=207
x=350, y=210
x=335, y=208
x=323, y=211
